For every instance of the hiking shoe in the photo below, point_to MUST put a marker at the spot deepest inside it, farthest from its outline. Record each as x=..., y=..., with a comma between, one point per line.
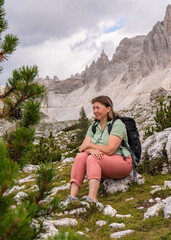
x=71, y=199
x=89, y=200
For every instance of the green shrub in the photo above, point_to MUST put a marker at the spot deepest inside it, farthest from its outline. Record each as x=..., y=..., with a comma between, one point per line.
x=153, y=166
x=70, y=128
x=46, y=151
x=162, y=119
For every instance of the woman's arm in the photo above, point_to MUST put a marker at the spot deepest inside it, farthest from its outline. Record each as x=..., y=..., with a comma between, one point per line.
x=109, y=149
x=94, y=152
x=87, y=140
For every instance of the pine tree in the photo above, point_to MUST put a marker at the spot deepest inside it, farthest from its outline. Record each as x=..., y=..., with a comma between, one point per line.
x=10, y=42
x=83, y=124
x=163, y=117
x=18, y=104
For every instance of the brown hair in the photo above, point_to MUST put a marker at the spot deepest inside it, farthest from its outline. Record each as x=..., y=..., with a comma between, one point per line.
x=107, y=102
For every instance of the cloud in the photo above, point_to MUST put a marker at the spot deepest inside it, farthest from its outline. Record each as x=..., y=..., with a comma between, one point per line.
x=62, y=37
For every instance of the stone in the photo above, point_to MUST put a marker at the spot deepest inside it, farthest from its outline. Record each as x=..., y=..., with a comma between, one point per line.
x=167, y=184
x=66, y=222
x=68, y=160
x=129, y=199
x=108, y=210
x=140, y=208
x=101, y=223
x=61, y=188
x=117, y=225
x=114, y=185
x=123, y=216
x=30, y=168
x=168, y=149
x=99, y=206
x=77, y=211
x=156, y=190
x=153, y=211
x=167, y=207
x=13, y=189
x=158, y=199
x=154, y=146
x=121, y=234
x=30, y=178
x=157, y=93
x=18, y=197
x=80, y=233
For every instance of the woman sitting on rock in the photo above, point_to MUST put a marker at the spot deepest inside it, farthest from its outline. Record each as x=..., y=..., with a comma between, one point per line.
x=100, y=153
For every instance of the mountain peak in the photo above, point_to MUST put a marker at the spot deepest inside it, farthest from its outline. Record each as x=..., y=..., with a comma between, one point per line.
x=167, y=20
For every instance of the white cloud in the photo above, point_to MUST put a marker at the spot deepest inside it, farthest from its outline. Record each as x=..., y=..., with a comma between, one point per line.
x=62, y=37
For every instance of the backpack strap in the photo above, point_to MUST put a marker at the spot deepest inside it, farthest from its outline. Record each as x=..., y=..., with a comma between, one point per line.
x=134, y=158
x=109, y=130
x=96, y=122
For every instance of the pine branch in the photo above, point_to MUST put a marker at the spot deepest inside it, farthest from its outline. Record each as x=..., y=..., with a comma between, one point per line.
x=7, y=93
x=10, y=229
x=3, y=188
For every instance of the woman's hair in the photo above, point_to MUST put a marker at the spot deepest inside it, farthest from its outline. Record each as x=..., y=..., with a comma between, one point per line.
x=107, y=102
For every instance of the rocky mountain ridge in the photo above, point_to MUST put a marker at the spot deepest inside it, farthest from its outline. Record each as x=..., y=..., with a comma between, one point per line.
x=139, y=65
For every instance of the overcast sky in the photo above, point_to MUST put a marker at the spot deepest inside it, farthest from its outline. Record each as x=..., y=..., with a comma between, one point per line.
x=63, y=36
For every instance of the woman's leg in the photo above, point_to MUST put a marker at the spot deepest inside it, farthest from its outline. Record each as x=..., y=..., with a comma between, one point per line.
x=110, y=166
x=78, y=173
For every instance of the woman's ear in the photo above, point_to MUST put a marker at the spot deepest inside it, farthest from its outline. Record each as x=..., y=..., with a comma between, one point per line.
x=108, y=108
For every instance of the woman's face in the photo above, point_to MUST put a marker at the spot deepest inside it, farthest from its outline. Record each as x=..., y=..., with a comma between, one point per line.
x=100, y=111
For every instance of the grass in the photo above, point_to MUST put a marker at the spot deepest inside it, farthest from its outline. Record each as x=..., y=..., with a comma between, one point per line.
x=153, y=228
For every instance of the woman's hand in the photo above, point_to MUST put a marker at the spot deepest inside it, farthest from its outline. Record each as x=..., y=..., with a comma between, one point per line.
x=96, y=153
x=82, y=147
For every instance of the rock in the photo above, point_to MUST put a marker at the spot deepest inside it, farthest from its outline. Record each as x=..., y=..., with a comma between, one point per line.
x=158, y=199
x=68, y=160
x=167, y=184
x=157, y=93
x=139, y=65
x=108, y=210
x=18, y=197
x=61, y=188
x=80, y=233
x=30, y=178
x=154, y=145
x=153, y=211
x=99, y=206
x=129, y=199
x=167, y=207
x=30, y=168
x=115, y=185
x=123, y=216
x=117, y=225
x=101, y=223
x=140, y=208
x=50, y=228
x=14, y=189
x=77, y=211
x=151, y=200
x=65, y=222
x=121, y=234
x=168, y=149
x=156, y=189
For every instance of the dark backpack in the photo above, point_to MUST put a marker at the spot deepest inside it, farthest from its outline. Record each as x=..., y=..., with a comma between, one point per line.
x=133, y=139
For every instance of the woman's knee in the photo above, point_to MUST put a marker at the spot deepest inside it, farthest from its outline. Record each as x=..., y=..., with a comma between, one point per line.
x=81, y=157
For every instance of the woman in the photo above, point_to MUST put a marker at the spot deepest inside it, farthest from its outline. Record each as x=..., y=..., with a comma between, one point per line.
x=100, y=154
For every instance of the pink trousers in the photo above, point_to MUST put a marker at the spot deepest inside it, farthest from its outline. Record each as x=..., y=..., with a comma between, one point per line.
x=113, y=166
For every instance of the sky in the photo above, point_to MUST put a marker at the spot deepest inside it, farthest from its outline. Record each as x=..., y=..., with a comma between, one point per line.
x=61, y=37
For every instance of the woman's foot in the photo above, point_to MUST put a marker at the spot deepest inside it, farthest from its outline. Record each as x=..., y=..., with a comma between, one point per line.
x=71, y=199
x=87, y=199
